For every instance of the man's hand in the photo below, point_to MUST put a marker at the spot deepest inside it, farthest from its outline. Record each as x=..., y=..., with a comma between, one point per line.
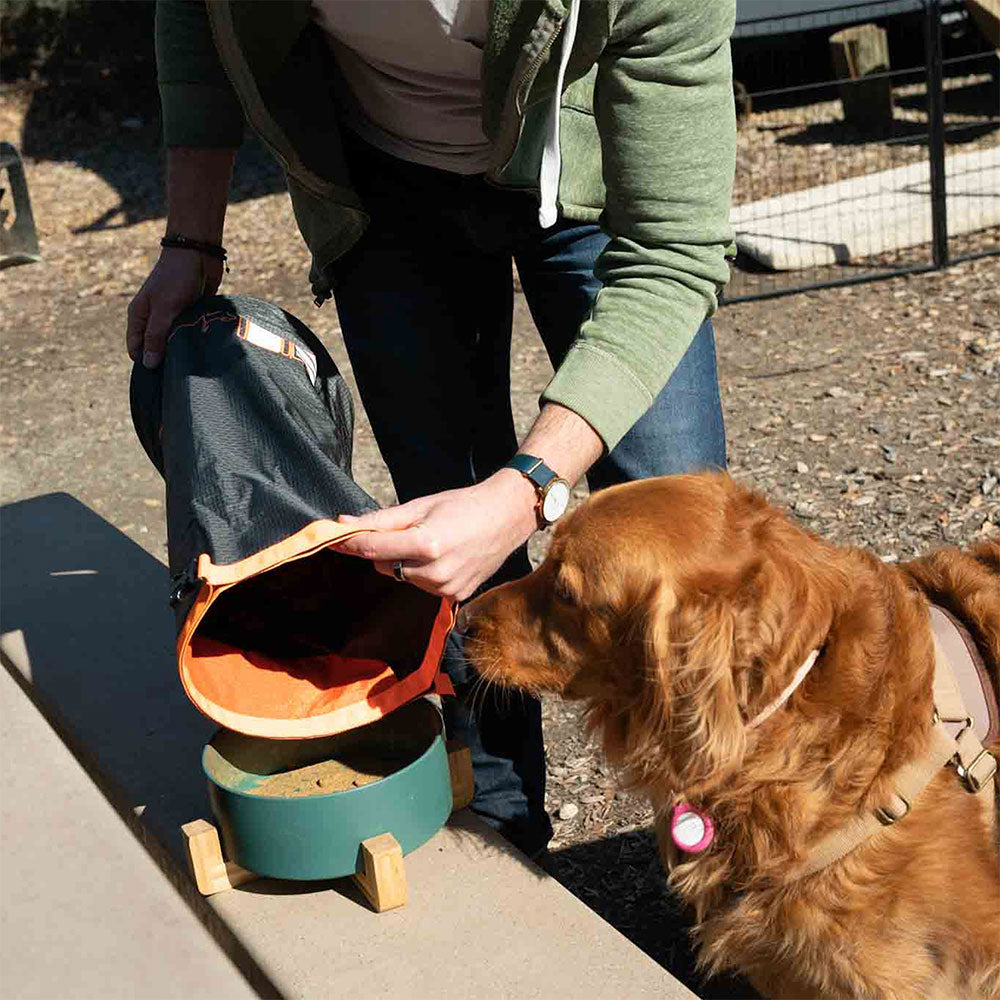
x=197, y=188
x=179, y=278
x=451, y=542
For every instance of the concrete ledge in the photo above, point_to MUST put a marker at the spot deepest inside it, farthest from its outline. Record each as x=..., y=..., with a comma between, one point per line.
x=863, y=216
x=97, y=658
x=86, y=913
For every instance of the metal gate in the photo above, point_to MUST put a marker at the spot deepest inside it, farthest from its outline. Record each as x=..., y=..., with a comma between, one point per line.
x=821, y=200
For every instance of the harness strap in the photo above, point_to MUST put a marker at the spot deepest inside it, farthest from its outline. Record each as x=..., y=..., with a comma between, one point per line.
x=909, y=781
x=975, y=766
x=969, y=672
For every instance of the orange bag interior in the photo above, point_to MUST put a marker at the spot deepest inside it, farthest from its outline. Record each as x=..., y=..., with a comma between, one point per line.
x=301, y=641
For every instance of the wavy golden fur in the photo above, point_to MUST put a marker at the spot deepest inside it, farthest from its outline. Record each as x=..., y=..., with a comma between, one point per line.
x=676, y=609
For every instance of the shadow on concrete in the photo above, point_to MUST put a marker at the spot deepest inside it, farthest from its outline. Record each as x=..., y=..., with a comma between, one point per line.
x=633, y=897
x=92, y=608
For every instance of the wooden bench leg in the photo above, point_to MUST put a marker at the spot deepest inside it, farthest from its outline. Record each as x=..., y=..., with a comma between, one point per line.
x=212, y=874
x=383, y=875
x=463, y=785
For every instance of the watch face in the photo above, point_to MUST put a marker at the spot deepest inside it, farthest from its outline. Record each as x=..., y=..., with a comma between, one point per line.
x=556, y=500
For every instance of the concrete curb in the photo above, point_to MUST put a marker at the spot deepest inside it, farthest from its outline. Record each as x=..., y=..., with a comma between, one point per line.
x=863, y=216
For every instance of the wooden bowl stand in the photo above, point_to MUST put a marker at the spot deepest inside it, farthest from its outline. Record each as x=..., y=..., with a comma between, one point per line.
x=382, y=877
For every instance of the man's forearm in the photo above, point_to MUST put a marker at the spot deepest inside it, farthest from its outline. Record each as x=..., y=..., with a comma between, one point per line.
x=565, y=442
x=198, y=191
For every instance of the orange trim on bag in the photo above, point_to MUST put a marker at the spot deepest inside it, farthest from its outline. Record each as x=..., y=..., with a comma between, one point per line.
x=205, y=321
x=300, y=698
x=305, y=542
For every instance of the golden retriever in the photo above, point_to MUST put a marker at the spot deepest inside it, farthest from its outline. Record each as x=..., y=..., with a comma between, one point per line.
x=676, y=609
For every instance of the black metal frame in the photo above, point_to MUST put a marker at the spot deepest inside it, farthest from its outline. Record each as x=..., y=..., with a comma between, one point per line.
x=935, y=130
x=933, y=73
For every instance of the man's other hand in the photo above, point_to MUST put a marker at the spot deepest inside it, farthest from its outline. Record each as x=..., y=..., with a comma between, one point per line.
x=180, y=277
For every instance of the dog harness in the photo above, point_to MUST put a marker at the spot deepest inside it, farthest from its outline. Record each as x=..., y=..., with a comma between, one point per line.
x=960, y=679
x=955, y=742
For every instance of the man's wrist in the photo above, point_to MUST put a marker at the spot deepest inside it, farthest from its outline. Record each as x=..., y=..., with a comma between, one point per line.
x=212, y=250
x=521, y=498
x=194, y=229
x=197, y=191
x=564, y=441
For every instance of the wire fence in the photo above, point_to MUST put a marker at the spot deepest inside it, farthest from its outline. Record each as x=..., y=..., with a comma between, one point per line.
x=879, y=154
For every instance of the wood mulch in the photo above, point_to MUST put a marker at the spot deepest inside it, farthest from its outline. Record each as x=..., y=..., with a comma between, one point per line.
x=786, y=149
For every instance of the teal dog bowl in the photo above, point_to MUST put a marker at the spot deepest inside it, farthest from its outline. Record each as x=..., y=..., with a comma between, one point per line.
x=277, y=821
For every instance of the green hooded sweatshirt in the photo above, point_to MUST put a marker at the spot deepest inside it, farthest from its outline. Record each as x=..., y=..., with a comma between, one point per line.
x=647, y=144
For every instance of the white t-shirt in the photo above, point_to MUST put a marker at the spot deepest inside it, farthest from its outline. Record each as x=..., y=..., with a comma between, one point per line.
x=413, y=69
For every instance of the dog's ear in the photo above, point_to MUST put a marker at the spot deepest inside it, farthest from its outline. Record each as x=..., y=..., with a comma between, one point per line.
x=697, y=668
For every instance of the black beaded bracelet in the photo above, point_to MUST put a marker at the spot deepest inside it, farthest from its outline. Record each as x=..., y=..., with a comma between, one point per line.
x=184, y=243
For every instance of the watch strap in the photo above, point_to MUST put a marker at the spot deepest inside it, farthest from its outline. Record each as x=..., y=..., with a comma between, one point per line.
x=534, y=468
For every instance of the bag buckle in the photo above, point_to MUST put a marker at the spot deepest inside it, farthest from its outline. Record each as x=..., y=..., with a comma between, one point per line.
x=182, y=584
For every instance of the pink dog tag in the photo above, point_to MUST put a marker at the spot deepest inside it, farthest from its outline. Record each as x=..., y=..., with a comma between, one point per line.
x=692, y=831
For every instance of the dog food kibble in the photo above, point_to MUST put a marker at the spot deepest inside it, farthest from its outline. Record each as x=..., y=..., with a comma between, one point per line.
x=329, y=776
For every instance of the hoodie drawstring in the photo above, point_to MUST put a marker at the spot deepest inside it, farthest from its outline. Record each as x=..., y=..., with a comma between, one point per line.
x=548, y=211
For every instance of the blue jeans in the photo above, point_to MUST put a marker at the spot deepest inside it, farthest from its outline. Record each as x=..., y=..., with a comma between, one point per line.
x=425, y=301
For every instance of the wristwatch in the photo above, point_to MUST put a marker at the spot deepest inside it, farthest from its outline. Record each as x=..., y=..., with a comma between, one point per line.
x=553, y=492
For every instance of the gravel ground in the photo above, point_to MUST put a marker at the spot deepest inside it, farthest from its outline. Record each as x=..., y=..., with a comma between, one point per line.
x=872, y=412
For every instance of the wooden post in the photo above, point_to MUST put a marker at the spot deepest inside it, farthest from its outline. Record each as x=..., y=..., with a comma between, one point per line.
x=744, y=103
x=18, y=236
x=383, y=875
x=986, y=14
x=857, y=53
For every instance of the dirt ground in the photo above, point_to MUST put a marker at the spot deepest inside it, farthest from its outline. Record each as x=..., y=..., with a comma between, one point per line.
x=871, y=412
